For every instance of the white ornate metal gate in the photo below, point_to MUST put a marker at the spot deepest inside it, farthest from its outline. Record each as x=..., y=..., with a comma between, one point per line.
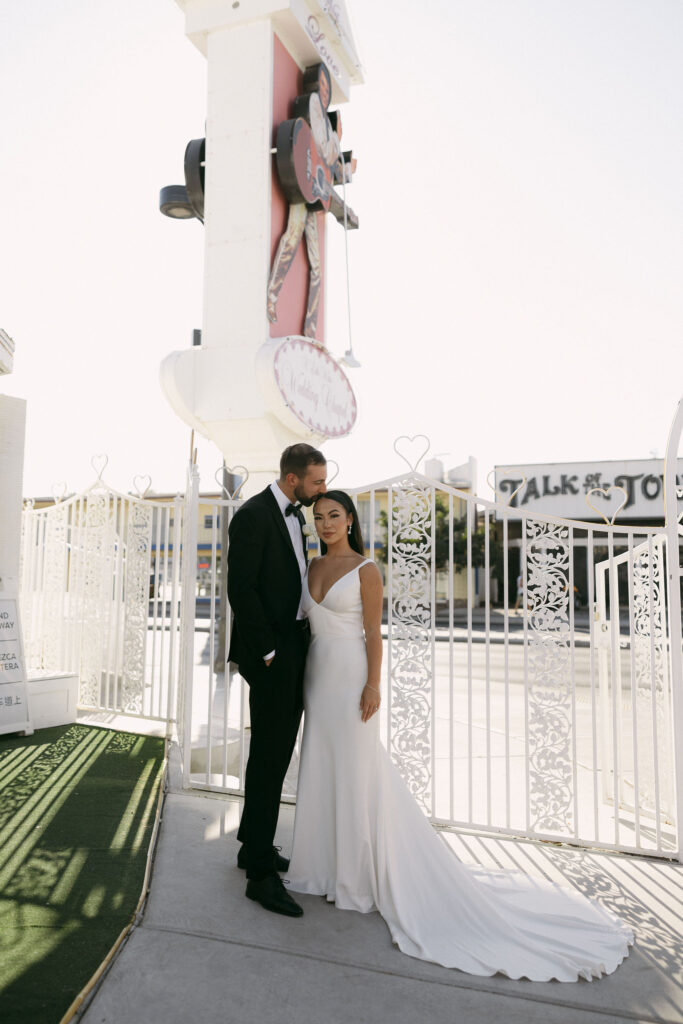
x=499, y=720
x=636, y=697
x=560, y=720
x=100, y=597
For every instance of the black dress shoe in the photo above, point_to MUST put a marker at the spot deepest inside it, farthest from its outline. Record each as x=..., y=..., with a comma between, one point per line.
x=280, y=863
x=271, y=894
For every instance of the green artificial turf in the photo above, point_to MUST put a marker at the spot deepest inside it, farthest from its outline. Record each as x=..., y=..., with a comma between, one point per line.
x=77, y=808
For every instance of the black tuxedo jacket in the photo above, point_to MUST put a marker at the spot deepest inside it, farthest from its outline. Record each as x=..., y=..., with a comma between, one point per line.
x=264, y=579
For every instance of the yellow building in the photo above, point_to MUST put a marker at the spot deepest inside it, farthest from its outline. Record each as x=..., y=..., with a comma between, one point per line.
x=161, y=562
x=373, y=519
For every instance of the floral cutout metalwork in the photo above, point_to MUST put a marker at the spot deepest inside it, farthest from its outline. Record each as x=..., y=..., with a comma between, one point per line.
x=652, y=688
x=411, y=626
x=137, y=564
x=549, y=720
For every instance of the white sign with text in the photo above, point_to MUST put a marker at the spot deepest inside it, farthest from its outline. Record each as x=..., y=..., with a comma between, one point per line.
x=560, y=488
x=14, y=711
x=306, y=388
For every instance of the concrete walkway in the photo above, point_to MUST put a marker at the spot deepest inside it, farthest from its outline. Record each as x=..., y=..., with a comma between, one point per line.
x=204, y=954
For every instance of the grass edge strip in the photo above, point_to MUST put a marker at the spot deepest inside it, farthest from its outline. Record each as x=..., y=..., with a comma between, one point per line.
x=87, y=990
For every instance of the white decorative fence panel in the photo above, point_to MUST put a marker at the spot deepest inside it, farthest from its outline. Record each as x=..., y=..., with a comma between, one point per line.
x=637, y=695
x=410, y=647
x=216, y=713
x=553, y=720
x=532, y=666
x=100, y=597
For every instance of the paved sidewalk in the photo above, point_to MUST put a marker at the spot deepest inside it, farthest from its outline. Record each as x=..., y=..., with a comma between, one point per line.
x=203, y=953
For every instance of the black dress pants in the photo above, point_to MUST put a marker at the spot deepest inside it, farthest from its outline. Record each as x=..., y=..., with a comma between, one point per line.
x=275, y=704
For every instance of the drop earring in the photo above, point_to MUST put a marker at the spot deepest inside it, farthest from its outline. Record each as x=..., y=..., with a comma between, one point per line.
x=349, y=529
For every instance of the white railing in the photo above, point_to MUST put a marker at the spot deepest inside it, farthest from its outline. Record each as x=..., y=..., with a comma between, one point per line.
x=216, y=712
x=554, y=714
x=495, y=718
x=100, y=597
x=635, y=686
x=187, y=614
x=673, y=494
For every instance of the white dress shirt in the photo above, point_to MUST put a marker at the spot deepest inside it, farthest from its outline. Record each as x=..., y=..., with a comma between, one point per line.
x=292, y=524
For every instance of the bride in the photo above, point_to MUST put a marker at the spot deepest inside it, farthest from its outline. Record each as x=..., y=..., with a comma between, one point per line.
x=360, y=839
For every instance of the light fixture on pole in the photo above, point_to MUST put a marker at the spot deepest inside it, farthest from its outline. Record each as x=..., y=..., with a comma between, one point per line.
x=348, y=359
x=173, y=202
x=185, y=202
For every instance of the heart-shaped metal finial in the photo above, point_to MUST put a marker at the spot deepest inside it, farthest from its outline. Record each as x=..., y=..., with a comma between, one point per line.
x=99, y=464
x=59, y=491
x=233, y=471
x=605, y=491
x=408, y=453
x=138, y=482
x=498, y=498
x=332, y=462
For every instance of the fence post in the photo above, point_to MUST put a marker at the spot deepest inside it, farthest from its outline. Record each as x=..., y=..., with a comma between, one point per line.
x=673, y=563
x=187, y=617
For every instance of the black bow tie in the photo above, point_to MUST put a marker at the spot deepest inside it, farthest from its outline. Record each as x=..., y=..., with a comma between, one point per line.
x=295, y=510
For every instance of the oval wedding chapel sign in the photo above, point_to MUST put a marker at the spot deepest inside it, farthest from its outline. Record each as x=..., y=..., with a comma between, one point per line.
x=313, y=387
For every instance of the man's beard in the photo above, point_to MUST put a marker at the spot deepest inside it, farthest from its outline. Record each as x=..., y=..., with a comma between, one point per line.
x=306, y=502
x=303, y=499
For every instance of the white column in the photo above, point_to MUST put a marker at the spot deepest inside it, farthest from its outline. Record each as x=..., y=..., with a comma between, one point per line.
x=218, y=384
x=228, y=388
x=12, y=430
x=237, y=201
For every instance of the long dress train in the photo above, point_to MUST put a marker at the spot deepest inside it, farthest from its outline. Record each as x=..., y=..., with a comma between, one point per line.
x=362, y=841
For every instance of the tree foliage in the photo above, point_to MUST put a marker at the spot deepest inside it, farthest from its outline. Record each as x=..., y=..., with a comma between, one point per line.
x=441, y=541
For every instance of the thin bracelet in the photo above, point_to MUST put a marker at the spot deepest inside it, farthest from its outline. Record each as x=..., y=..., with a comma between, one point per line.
x=375, y=688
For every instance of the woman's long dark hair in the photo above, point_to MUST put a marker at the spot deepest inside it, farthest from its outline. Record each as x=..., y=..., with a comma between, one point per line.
x=355, y=537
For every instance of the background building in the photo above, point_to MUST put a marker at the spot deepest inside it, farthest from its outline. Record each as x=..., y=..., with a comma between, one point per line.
x=629, y=493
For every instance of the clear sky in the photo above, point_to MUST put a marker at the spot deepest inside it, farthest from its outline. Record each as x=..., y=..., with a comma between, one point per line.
x=516, y=284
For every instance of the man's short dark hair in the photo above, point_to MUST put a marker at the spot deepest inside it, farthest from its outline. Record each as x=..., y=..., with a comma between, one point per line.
x=298, y=457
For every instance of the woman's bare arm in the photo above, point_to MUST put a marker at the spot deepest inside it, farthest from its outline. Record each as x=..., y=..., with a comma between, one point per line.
x=372, y=594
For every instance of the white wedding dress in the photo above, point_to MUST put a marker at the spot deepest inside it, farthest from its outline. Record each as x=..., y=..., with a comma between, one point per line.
x=361, y=840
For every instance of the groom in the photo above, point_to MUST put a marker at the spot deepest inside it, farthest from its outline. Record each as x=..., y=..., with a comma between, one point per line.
x=266, y=567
